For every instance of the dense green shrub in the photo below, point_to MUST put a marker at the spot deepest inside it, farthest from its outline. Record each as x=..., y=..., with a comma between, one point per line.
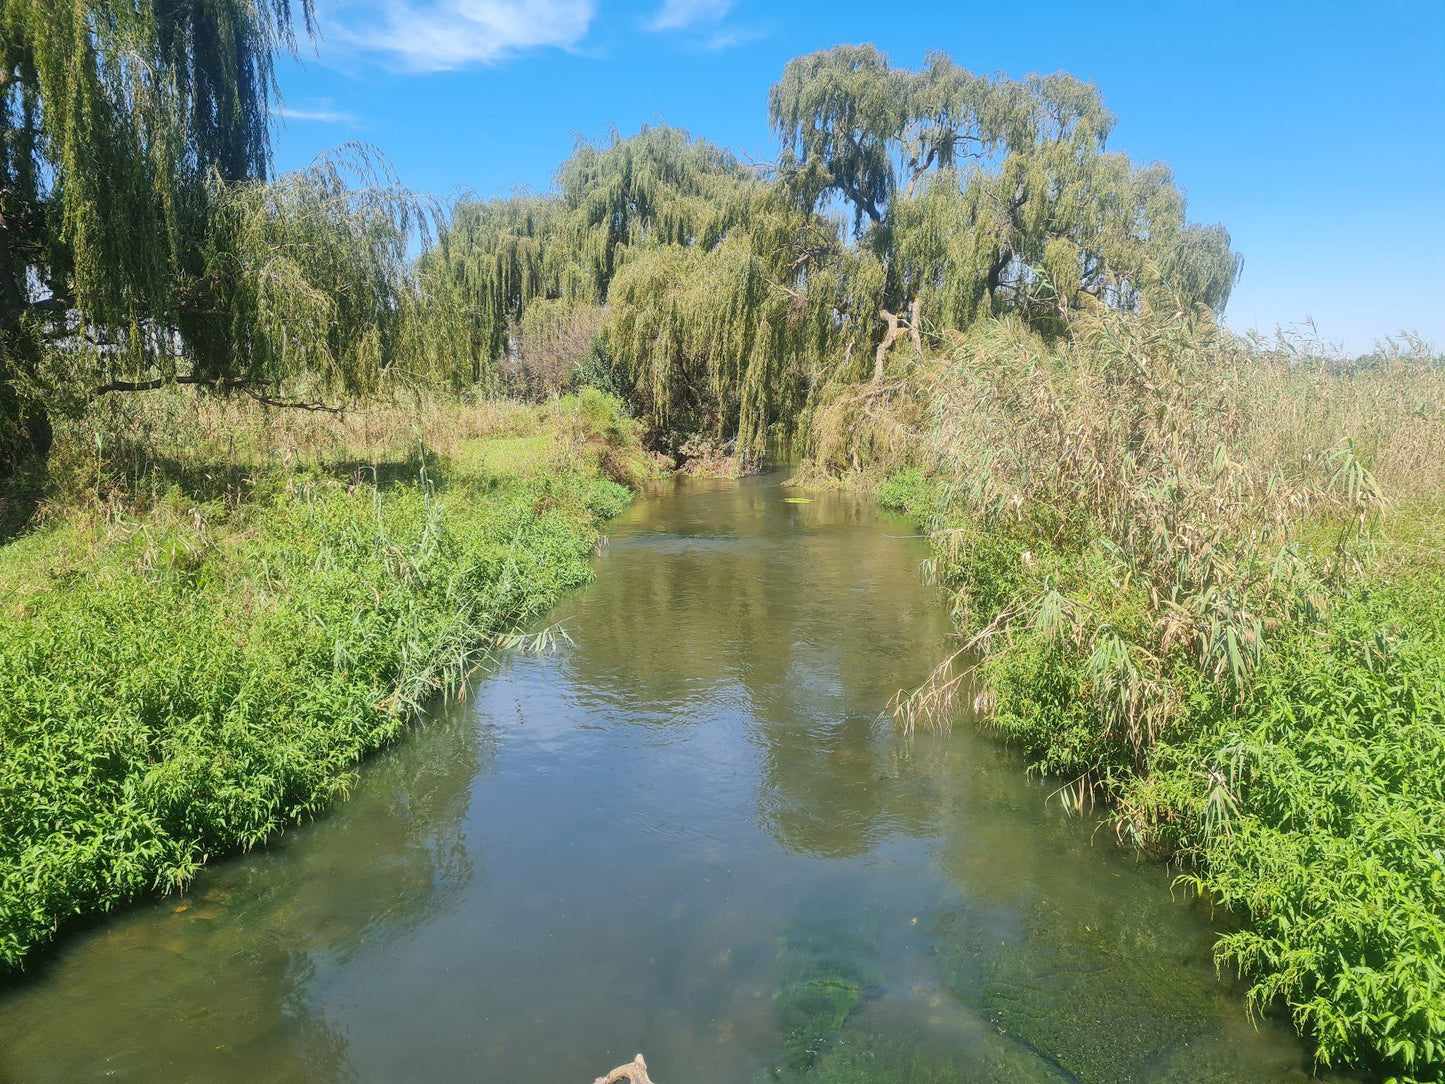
x=187, y=695
x=1319, y=810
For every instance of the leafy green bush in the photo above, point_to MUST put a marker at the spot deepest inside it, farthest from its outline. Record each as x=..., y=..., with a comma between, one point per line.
x=604, y=436
x=190, y=693
x=1319, y=811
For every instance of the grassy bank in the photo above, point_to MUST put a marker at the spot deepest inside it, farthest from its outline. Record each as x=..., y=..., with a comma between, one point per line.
x=1201, y=583
x=220, y=611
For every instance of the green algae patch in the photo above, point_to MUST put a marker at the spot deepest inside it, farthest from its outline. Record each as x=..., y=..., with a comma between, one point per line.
x=1099, y=1009
x=827, y=965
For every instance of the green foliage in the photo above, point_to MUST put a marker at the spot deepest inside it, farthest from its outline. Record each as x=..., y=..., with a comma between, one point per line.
x=903, y=490
x=140, y=241
x=319, y=293
x=983, y=194
x=1167, y=548
x=491, y=257
x=736, y=303
x=706, y=326
x=1319, y=811
x=599, y=430
x=300, y=632
x=119, y=119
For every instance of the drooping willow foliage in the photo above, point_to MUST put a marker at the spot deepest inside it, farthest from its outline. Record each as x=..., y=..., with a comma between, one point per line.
x=115, y=116
x=985, y=194
x=142, y=243
x=905, y=204
x=316, y=283
x=700, y=262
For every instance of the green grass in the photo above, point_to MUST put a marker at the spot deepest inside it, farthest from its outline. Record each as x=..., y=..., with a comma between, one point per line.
x=182, y=682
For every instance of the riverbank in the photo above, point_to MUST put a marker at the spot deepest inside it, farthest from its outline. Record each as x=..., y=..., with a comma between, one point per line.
x=686, y=832
x=223, y=610
x=1200, y=585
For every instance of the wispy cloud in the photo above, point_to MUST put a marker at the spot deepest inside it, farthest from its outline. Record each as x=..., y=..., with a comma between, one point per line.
x=689, y=14
x=320, y=111
x=703, y=24
x=442, y=35
x=731, y=37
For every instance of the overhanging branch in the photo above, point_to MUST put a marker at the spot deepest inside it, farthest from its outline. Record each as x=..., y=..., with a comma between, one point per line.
x=233, y=383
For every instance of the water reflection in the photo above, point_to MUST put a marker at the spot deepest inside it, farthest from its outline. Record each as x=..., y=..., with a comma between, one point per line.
x=780, y=611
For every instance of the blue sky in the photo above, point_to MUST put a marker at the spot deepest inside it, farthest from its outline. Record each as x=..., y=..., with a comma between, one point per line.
x=1314, y=132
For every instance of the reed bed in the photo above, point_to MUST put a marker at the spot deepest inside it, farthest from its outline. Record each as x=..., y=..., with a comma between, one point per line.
x=1197, y=579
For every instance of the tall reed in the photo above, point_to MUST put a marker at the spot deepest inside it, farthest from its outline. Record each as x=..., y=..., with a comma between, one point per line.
x=1192, y=579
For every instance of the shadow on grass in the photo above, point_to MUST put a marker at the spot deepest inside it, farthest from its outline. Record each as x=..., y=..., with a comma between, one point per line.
x=20, y=496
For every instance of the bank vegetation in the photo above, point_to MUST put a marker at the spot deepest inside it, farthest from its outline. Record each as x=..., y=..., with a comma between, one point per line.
x=1195, y=579
x=259, y=497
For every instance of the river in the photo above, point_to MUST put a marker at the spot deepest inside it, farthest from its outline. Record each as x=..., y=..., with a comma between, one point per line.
x=686, y=833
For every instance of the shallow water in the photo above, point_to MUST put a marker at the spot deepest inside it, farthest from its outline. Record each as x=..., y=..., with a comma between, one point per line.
x=687, y=833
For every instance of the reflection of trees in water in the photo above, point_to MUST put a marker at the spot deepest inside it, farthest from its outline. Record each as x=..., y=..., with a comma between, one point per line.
x=811, y=610
x=222, y=983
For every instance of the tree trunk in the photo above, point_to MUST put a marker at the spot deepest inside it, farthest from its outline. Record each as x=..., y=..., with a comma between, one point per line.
x=897, y=328
x=889, y=338
x=995, y=272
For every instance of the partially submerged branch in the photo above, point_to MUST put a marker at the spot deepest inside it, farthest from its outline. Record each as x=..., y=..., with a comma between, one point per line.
x=635, y=1071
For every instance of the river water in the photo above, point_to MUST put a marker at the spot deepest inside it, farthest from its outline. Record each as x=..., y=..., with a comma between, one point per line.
x=687, y=833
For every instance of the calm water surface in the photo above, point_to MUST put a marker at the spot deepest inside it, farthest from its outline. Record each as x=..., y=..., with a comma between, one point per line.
x=686, y=834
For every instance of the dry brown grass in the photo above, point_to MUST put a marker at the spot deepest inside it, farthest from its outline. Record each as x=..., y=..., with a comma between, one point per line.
x=1222, y=488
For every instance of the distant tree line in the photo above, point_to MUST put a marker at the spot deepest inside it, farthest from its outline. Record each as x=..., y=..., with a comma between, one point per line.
x=143, y=241
x=905, y=204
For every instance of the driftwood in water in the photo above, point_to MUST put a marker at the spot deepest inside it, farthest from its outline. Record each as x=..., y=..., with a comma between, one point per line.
x=635, y=1071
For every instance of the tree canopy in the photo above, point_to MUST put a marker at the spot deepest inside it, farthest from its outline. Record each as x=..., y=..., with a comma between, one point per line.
x=142, y=241
x=116, y=116
x=905, y=204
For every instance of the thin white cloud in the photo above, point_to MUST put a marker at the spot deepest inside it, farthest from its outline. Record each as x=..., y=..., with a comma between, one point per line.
x=687, y=14
x=442, y=35
x=729, y=39
x=321, y=111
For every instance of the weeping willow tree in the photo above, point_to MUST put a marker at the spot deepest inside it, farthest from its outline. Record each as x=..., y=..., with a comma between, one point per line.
x=656, y=189
x=731, y=341
x=142, y=242
x=316, y=289
x=115, y=116
x=905, y=203
x=495, y=257
x=722, y=301
x=984, y=195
